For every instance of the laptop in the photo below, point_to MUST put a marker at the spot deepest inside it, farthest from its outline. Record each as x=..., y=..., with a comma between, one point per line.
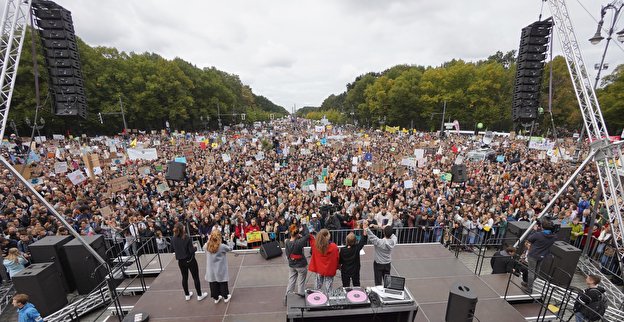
x=394, y=287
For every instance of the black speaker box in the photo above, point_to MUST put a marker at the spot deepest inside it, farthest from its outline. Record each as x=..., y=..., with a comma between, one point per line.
x=85, y=268
x=270, y=250
x=561, y=263
x=42, y=285
x=459, y=173
x=176, y=171
x=461, y=304
x=50, y=249
x=563, y=231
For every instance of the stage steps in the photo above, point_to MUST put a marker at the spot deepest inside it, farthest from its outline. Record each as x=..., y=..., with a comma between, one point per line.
x=150, y=264
x=127, y=303
x=133, y=285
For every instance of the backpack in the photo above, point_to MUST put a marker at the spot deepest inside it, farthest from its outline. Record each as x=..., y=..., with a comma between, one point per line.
x=595, y=310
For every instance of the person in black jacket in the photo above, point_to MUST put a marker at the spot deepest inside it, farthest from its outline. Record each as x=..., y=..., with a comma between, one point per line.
x=503, y=261
x=589, y=305
x=185, y=254
x=297, y=263
x=350, y=258
x=541, y=240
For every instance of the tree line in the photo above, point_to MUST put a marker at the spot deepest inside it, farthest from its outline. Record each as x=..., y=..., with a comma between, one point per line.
x=413, y=96
x=152, y=89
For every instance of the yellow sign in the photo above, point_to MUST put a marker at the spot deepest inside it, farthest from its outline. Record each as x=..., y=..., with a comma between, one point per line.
x=254, y=237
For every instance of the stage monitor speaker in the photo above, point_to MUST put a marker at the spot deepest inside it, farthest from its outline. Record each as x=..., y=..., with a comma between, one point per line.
x=461, y=305
x=561, y=264
x=459, y=173
x=176, y=171
x=563, y=231
x=270, y=250
x=86, y=270
x=42, y=285
x=515, y=229
x=50, y=249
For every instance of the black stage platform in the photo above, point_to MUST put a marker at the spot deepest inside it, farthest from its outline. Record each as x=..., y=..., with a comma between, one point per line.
x=258, y=288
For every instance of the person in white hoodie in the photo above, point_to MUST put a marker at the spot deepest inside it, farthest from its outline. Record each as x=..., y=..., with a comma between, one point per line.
x=383, y=252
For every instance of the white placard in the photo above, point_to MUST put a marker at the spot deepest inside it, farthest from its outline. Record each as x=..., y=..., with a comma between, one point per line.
x=436, y=171
x=419, y=153
x=354, y=169
x=58, y=137
x=248, y=163
x=364, y=183
x=355, y=160
x=305, y=151
x=321, y=187
x=60, y=167
x=76, y=177
x=260, y=156
x=226, y=157
x=142, y=154
x=408, y=184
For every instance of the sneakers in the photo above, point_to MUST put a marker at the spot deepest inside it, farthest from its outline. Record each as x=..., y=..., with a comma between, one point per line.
x=218, y=299
x=227, y=299
x=188, y=297
x=203, y=296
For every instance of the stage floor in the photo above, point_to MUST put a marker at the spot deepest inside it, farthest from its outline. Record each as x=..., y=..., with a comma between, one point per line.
x=258, y=286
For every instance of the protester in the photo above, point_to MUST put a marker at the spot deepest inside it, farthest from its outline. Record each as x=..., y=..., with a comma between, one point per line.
x=590, y=304
x=14, y=262
x=185, y=254
x=383, y=253
x=217, y=267
x=541, y=240
x=503, y=261
x=297, y=262
x=350, y=258
x=324, y=261
x=26, y=311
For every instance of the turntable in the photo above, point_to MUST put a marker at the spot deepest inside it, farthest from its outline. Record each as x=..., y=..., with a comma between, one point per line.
x=316, y=299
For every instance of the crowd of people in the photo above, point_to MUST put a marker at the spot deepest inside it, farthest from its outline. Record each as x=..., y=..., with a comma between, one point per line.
x=292, y=171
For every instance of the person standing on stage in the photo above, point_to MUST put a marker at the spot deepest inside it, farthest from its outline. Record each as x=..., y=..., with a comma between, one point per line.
x=185, y=254
x=324, y=261
x=216, y=266
x=541, y=240
x=350, y=258
x=26, y=311
x=383, y=252
x=297, y=263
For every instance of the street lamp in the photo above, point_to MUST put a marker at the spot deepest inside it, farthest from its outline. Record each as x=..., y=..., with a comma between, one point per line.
x=597, y=38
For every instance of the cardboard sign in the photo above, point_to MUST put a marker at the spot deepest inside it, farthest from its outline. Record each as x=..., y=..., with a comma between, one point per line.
x=119, y=184
x=161, y=188
x=106, y=211
x=254, y=237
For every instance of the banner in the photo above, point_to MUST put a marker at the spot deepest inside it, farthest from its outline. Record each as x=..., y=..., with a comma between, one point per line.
x=60, y=167
x=58, y=137
x=142, y=154
x=542, y=146
x=254, y=237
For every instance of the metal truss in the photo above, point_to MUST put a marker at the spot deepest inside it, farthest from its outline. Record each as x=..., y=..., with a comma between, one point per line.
x=14, y=23
x=589, y=267
x=94, y=300
x=607, y=154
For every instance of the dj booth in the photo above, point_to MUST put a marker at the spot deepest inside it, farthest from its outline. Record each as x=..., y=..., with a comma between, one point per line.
x=350, y=304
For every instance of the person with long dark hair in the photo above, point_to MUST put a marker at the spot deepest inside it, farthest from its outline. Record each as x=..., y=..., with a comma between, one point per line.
x=324, y=261
x=216, y=266
x=185, y=254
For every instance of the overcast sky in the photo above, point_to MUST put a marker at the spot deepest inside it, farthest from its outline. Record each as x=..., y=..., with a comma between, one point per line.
x=301, y=51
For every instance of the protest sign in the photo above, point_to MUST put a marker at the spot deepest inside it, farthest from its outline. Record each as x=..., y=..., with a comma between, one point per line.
x=408, y=184
x=321, y=187
x=76, y=177
x=106, y=211
x=119, y=184
x=260, y=156
x=254, y=237
x=58, y=137
x=419, y=153
x=142, y=154
x=36, y=181
x=144, y=171
x=363, y=183
x=226, y=157
x=354, y=168
x=161, y=188
x=60, y=167
x=348, y=182
x=180, y=160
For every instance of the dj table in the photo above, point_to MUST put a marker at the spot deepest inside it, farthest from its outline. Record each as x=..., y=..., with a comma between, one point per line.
x=299, y=310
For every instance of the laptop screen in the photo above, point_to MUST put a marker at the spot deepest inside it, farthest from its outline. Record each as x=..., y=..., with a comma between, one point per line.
x=394, y=282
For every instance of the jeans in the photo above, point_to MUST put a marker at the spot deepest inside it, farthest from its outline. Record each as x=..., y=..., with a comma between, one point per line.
x=296, y=279
x=324, y=283
x=346, y=279
x=380, y=270
x=185, y=267
x=580, y=317
x=534, y=266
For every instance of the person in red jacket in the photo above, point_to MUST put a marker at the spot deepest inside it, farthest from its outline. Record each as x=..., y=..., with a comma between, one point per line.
x=324, y=261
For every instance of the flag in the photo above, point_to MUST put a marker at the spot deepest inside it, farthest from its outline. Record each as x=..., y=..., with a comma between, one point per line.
x=133, y=143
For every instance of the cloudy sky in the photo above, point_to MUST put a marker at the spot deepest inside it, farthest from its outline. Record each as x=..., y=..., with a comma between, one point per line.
x=297, y=52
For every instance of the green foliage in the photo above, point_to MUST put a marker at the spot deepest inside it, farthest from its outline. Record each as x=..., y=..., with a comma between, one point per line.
x=153, y=90
x=476, y=92
x=332, y=115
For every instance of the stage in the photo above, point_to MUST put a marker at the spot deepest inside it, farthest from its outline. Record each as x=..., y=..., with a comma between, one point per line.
x=258, y=286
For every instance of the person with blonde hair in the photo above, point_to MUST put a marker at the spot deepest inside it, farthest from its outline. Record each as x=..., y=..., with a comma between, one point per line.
x=14, y=262
x=324, y=261
x=216, y=266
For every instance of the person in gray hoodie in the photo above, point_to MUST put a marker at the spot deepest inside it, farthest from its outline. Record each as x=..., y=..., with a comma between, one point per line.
x=383, y=252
